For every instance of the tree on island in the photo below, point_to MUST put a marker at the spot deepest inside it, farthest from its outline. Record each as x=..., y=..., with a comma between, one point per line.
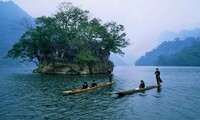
x=70, y=42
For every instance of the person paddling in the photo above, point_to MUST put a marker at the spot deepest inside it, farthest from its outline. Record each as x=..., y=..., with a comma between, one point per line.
x=85, y=85
x=142, y=84
x=110, y=75
x=94, y=84
x=157, y=72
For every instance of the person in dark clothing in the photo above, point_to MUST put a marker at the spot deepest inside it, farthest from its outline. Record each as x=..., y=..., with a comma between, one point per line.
x=109, y=71
x=94, y=84
x=142, y=84
x=157, y=72
x=110, y=75
x=85, y=85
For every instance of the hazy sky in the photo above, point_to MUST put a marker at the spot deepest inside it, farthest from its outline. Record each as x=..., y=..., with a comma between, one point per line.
x=144, y=20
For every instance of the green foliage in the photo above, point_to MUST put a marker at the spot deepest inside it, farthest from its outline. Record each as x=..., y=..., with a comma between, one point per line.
x=85, y=57
x=70, y=34
x=189, y=56
x=115, y=39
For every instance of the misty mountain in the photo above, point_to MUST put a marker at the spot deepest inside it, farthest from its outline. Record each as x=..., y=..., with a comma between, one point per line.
x=13, y=24
x=117, y=60
x=167, y=49
x=182, y=35
x=188, y=56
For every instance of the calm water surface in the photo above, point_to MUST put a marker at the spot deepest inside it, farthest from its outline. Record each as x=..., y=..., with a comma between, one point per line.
x=24, y=95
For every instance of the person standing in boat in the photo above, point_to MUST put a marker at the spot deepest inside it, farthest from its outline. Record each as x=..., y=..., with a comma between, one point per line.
x=94, y=84
x=157, y=72
x=85, y=85
x=110, y=75
x=142, y=84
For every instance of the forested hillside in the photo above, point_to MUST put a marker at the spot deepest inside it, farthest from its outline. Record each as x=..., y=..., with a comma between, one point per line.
x=176, y=53
x=188, y=56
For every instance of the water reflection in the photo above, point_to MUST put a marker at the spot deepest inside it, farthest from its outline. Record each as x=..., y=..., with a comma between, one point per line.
x=159, y=89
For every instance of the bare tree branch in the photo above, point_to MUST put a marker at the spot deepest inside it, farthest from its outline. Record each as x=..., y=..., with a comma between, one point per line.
x=28, y=60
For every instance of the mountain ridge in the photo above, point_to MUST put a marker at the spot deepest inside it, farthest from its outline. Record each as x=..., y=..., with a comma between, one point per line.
x=10, y=29
x=166, y=50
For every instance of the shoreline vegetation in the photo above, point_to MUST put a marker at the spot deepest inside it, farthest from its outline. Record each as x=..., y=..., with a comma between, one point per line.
x=70, y=42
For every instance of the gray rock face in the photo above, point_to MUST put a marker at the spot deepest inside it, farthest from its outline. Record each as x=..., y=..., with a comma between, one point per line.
x=74, y=68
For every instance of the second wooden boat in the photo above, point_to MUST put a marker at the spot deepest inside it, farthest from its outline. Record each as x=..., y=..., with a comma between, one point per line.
x=129, y=92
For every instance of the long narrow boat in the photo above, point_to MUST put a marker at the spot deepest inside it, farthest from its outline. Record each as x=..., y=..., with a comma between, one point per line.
x=80, y=90
x=129, y=92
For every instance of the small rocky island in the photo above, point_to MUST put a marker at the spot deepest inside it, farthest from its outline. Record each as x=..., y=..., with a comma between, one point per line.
x=70, y=42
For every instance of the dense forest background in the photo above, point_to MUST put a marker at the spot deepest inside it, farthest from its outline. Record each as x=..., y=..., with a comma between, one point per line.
x=179, y=52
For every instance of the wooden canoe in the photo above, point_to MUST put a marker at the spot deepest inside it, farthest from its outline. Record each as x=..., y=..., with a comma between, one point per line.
x=80, y=90
x=129, y=92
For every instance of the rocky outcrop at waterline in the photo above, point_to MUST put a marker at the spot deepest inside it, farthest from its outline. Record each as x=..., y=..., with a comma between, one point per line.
x=74, y=68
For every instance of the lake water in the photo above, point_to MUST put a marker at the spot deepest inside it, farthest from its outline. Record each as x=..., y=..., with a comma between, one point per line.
x=25, y=95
